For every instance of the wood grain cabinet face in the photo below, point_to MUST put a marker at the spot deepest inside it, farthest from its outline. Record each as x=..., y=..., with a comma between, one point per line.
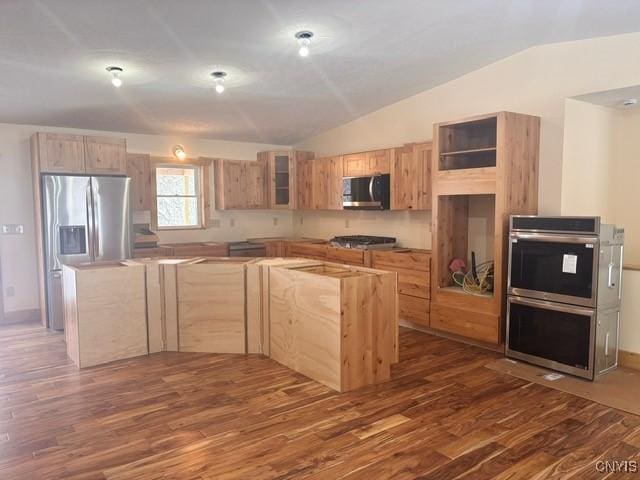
x=105, y=155
x=354, y=164
x=411, y=177
x=367, y=163
x=139, y=169
x=378, y=161
x=60, y=153
x=240, y=184
x=304, y=184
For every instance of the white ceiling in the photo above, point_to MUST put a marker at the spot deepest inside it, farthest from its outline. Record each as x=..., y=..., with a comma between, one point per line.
x=365, y=54
x=614, y=98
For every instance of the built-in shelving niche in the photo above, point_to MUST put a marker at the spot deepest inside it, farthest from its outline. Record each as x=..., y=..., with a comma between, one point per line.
x=468, y=145
x=466, y=223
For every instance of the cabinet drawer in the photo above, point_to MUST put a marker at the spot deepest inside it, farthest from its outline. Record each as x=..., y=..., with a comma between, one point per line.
x=407, y=259
x=414, y=309
x=467, y=323
x=308, y=250
x=346, y=255
x=152, y=252
x=413, y=282
x=199, y=250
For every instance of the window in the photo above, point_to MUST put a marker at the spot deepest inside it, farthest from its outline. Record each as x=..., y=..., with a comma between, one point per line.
x=178, y=196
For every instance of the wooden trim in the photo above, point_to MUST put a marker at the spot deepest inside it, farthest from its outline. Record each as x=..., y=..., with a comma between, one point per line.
x=20, y=316
x=205, y=189
x=629, y=359
x=635, y=268
x=37, y=209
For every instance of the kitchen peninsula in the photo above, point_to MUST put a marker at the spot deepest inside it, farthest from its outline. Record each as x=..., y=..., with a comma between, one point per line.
x=337, y=324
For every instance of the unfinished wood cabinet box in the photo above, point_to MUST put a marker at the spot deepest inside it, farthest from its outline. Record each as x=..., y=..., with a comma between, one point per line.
x=487, y=167
x=241, y=184
x=314, y=251
x=139, y=169
x=411, y=177
x=195, y=249
x=105, y=155
x=104, y=312
x=335, y=324
x=211, y=304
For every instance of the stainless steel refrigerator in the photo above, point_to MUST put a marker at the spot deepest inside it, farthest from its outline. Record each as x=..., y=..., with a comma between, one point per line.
x=85, y=219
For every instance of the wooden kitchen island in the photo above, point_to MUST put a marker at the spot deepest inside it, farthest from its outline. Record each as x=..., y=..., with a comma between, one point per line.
x=334, y=323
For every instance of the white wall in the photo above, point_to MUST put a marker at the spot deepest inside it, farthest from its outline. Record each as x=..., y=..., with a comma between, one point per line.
x=18, y=267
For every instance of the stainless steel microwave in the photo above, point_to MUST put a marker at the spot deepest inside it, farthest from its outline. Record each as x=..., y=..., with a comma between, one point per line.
x=371, y=192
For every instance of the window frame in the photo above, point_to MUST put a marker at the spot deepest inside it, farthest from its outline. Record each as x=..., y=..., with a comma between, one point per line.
x=203, y=167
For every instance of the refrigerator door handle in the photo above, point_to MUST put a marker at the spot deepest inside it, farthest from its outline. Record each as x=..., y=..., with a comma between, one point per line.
x=90, y=223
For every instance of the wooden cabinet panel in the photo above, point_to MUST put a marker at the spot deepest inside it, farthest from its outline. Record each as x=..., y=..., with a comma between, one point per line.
x=152, y=252
x=274, y=249
x=139, y=169
x=410, y=259
x=60, y=153
x=354, y=164
x=349, y=256
x=378, y=161
x=468, y=323
x=105, y=155
x=414, y=309
x=316, y=251
x=282, y=178
x=304, y=184
x=411, y=177
x=198, y=249
x=240, y=184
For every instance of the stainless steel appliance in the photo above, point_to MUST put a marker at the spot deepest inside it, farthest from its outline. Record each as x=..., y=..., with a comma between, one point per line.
x=564, y=290
x=364, y=242
x=371, y=192
x=247, y=249
x=85, y=219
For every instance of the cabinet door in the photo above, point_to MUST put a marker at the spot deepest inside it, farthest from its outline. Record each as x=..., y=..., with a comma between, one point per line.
x=355, y=164
x=254, y=185
x=281, y=179
x=59, y=153
x=378, y=161
x=105, y=155
x=423, y=151
x=320, y=176
x=139, y=169
x=228, y=176
x=334, y=183
x=304, y=184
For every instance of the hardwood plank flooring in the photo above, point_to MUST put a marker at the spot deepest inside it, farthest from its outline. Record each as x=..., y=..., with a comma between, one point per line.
x=192, y=416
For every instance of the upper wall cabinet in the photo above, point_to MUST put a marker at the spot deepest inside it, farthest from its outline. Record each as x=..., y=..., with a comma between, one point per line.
x=411, y=177
x=59, y=153
x=63, y=153
x=304, y=183
x=281, y=167
x=327, y=183
x=139, y=169
x=105, y=155
x=367, y=163
x=240, y=184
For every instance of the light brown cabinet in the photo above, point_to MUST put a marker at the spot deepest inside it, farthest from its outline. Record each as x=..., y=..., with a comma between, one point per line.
x=327, y=183
x=282, y=178
x=240, y=184
x=60, y=153
x=367, y=163
x=63, y=153
x=105, y=155
x=411, y=177
x=304, y=184
x=139, y=169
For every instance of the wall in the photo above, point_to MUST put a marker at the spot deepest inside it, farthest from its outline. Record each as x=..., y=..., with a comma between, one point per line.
x=18, y=267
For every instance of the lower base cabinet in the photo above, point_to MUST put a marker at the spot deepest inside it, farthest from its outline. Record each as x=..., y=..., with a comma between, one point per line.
x=334, y=324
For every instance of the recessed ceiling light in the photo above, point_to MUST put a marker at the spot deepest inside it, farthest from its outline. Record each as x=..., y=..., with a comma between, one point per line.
x=219, y=77
x=630, y=102
x=304, y=40
x=179, y=153
x=115, y=72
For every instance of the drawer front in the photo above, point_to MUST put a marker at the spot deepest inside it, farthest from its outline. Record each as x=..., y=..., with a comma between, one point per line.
x=346, y=255
x=410, y=260
x=152, y=252
x=201, y=250
x=414, y=309
x=306, y=250
x=470, y=324
x=413, y=282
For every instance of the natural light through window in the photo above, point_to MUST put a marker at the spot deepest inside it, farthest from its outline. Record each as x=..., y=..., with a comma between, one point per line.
x=178, y=196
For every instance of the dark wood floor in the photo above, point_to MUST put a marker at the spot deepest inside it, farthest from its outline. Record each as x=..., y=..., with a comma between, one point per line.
x=196, y=416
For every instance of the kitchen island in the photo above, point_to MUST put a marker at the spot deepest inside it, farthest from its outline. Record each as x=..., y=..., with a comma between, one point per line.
x=337, y=324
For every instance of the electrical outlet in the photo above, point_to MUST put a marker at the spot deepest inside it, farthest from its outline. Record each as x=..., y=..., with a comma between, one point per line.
x=215, y=223
x=301, y=220
x=12, y=229
x=346, y=223
x=232, y=222
x=275, y=221
x=11, y=292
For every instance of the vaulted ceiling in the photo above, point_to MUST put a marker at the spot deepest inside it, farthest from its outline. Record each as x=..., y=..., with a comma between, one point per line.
x=365, y=54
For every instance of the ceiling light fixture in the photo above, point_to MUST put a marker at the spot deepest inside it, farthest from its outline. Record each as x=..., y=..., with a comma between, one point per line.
x=630, y=102
x=304, y=40
x=219, y=77
x=115, y=72
x=179, y=153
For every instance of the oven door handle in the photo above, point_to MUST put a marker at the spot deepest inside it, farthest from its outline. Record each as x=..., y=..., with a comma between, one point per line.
x=554, y=238
x=553, y=306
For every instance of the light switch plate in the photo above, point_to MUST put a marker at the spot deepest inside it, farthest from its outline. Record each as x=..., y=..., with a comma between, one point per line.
x=12, y=229
x=215, y=223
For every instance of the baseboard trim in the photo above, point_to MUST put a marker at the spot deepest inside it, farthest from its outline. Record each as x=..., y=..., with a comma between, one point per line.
x=21, y=316
x=452, y=336
x=629, y=359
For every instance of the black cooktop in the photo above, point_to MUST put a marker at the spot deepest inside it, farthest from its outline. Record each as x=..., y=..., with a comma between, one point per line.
x=362, y=241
